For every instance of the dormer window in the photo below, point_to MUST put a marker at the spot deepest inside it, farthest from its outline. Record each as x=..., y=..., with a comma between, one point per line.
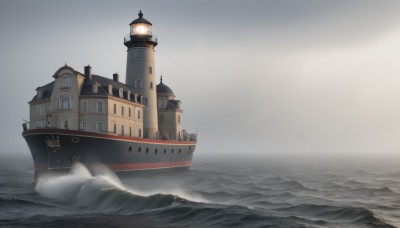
x=65, y=81
x=95, y=88
x=162, y=102
x=110, y=90
x=39, y=93
x=128, y=96
x=121, y=93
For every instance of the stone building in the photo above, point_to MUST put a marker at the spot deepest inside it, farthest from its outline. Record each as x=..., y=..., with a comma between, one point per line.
x=87, y=102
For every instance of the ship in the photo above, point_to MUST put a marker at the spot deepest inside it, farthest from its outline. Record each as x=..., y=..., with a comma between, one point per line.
x=93, y=119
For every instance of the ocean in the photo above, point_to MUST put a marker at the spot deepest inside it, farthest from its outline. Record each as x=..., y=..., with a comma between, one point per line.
x=212, y=193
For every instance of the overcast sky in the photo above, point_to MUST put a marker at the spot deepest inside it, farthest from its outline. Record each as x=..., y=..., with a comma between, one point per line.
x=254, y=77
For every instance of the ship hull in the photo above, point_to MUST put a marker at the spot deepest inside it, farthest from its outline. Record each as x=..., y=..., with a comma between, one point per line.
x=58, y=149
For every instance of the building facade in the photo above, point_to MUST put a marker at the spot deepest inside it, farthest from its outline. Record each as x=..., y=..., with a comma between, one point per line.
x=87, y=102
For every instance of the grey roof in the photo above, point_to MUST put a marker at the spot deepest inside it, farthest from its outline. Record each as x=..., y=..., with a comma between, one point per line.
x=140, y=19
x=162, y=88
x=173, y=104
x=101, y=82
x=47, y=89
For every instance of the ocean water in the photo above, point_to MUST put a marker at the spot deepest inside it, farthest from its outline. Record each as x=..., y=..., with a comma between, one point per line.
x=212, y=193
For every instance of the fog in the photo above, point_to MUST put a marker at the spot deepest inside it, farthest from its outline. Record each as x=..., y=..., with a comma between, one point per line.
x=254, y=77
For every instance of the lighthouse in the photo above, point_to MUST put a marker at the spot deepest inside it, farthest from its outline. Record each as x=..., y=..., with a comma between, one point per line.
x=140, y=71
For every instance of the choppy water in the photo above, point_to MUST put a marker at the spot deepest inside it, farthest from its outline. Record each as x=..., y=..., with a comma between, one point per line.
x=210, y=194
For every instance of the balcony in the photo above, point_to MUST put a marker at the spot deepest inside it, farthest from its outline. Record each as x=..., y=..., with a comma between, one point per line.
x=152, y=39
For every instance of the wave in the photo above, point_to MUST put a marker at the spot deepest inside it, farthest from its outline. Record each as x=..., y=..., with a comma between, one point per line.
x=350, y=215
x=101, y=191
x=17, y=202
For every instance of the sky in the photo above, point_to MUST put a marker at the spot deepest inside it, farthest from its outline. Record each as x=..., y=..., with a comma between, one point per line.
x=255, y=77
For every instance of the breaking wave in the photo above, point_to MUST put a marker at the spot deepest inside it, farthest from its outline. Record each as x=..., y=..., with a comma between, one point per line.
x=100, y=190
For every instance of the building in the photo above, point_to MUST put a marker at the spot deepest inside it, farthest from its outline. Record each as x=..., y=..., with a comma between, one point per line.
x=88, y=102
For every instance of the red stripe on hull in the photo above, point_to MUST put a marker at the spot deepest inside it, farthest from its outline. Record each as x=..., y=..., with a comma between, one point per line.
x=129, y=166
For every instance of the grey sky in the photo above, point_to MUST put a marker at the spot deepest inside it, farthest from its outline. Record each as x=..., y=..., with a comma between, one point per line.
x=254, y=76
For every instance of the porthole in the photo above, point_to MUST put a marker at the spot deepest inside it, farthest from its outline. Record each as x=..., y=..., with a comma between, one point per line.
x=75, y=139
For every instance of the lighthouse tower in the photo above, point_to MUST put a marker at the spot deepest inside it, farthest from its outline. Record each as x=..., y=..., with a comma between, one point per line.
x=140, y=71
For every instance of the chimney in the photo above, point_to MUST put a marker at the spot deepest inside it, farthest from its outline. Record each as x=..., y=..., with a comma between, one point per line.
x=88, y=72
x=116, y=77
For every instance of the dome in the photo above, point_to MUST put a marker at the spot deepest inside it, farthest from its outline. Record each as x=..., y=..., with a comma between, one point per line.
x=140, y=20
x=162, y=88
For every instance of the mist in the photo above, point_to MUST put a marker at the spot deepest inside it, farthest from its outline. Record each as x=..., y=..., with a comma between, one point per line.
x=254, y=77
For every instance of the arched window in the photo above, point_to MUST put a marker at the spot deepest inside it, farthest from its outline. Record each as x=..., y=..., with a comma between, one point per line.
x=162, y=102
x=64, y=103
x=65, y=81
x=138, y=83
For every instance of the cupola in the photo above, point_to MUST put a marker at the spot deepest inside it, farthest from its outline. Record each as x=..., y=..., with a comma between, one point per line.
x=141, y=26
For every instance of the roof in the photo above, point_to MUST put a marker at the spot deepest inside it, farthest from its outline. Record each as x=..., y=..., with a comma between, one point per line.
x=103, y=84
x=173, y=104
x=47, y=89
x=87, y=88
x=162, y=88
x=140, y=19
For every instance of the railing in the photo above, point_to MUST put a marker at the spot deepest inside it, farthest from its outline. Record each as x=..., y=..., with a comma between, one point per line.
x=127, y=38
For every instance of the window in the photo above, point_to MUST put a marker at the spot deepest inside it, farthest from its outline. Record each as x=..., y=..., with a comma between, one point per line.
x=162, y=102
x=145, y=101
x=110, y=89
x=83, y=126
x=115, y=108
x=121, y=93
x=140, y=133
x=84, y=106
x=66, y=124
x=138, y=114
x=40, y=93
x=138, y=83
x=100, y=106
x=151, y=85
x=95, y=89
x=130, y=131
x=161, y=118
x=115, y=128
x=179, y=119
x=65, y=81
x=99, y=126
x=122, y=111
x=64, y=103
x=129, y=112
x=122, y=130
x=150, y=70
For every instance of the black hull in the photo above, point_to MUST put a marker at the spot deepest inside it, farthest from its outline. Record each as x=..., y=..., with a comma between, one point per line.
x=57, y=150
